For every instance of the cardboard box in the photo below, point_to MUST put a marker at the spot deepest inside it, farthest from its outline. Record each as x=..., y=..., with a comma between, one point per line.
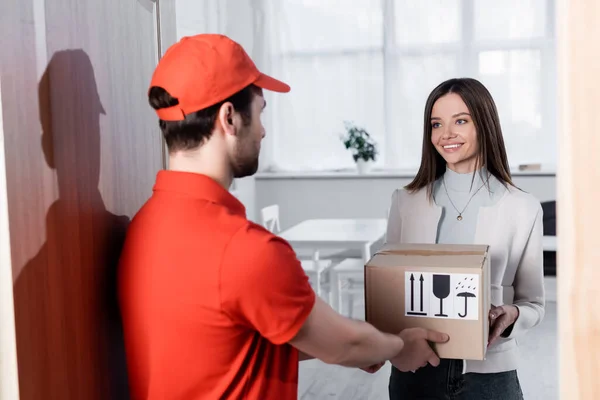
x=404, y=283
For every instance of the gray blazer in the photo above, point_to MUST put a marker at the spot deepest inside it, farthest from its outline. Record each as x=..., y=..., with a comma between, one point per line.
x=513, y=229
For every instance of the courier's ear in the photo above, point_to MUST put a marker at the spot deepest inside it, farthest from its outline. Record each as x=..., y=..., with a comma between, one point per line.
x=229, y=119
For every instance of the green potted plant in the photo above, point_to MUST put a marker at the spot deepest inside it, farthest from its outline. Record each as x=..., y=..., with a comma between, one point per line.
x=362, y=146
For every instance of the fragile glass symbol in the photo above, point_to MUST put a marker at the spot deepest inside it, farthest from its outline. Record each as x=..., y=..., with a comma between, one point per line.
x=441, y=290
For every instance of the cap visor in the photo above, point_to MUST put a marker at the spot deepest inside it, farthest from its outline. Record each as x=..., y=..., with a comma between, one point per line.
x=269, y=83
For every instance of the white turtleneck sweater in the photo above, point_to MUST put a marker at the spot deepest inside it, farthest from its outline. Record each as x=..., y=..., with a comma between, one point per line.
x=467, y=194
x=463, y=191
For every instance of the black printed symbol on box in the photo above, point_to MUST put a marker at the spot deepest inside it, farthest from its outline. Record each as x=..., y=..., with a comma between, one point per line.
x=441, y=290
x=412, y=296
x=466, y=289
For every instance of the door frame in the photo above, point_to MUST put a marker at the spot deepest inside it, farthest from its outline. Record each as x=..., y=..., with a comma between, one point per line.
x=9, y=378
x=166, y=35
x=578, y=196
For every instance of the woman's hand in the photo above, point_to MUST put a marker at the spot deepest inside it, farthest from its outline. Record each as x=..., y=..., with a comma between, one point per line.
x=501, y=318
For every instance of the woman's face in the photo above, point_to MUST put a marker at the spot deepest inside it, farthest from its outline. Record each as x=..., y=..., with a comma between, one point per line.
x=453, y=133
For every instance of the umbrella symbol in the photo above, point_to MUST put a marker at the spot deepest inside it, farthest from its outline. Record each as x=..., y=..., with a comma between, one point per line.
x=466, y=295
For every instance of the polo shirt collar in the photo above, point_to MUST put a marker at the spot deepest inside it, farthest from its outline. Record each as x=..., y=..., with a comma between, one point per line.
x=198, y=186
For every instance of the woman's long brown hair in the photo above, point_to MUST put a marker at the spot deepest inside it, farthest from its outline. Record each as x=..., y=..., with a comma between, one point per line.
x=491, y=151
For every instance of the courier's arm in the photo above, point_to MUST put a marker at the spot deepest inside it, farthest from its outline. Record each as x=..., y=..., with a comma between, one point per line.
x=529, y=283
x=394, y=223
x=303, y=356
x=335, y=339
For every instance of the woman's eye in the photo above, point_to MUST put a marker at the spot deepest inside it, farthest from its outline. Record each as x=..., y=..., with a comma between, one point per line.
x=461, y=121
x=435, y=125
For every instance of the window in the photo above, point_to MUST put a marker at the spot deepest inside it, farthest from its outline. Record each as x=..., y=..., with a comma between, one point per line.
x=374, y=62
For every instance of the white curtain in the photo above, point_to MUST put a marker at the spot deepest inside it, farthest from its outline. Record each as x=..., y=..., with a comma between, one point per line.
x=374, y=62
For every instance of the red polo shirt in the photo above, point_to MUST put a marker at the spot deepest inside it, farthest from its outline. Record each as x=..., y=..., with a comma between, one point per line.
x=209, y=299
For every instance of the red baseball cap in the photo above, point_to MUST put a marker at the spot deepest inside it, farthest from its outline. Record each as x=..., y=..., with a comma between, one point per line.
x=203, y=70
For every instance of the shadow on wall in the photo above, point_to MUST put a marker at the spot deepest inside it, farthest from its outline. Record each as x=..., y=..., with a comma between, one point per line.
x=69, y=336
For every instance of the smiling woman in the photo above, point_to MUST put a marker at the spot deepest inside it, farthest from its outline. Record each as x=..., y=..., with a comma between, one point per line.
x=463, y=153
x=461, y=132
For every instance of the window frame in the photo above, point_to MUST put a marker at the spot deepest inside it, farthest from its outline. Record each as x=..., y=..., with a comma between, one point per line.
x=467, y=52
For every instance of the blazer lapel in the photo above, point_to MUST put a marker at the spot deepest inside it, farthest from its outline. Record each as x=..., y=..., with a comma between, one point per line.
x=420, y=219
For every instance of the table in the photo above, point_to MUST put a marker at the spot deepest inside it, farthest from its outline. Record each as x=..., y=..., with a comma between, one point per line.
x=336, y=233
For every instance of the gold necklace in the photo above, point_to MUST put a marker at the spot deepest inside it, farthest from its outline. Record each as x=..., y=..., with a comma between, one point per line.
x=459, y=217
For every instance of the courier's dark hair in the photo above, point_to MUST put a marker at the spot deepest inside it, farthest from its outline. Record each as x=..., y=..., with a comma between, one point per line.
x=198, y=126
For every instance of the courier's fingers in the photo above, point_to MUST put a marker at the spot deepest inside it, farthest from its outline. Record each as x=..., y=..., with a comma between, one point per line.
x=437, y=337
x=434, y=360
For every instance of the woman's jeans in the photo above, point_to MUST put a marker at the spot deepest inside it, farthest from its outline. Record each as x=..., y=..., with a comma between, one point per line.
x=447, y=382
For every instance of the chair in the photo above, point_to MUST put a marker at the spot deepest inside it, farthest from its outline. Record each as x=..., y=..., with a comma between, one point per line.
x=270, y=220
x=349, y=276
x=314, y=268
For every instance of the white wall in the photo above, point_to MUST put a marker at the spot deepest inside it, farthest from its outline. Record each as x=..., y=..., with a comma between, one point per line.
x=349, y=195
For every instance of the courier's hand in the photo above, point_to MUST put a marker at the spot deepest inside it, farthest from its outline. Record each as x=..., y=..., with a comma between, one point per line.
x=417, y=352
x=501, y=318
x=374, y=368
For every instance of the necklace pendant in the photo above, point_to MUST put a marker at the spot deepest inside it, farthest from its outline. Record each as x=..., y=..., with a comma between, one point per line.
x=459, y=218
